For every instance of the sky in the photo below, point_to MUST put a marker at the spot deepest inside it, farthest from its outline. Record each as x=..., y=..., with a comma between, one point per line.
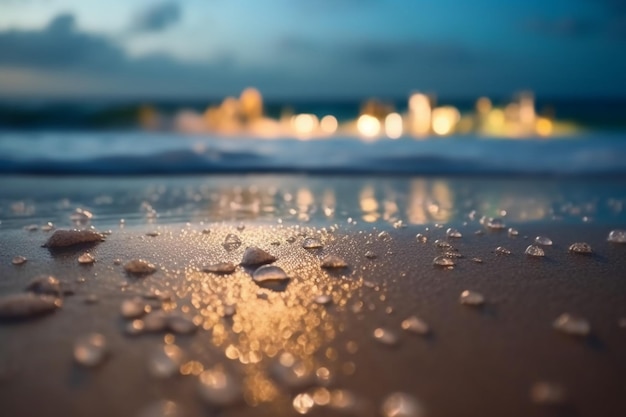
x=301, y=49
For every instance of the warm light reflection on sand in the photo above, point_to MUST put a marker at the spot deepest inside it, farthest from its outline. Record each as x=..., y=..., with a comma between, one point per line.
x=266, y=323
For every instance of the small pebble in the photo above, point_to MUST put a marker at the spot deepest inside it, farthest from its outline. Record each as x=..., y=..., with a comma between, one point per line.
x=400, y=404
x=165, y=361
x=502, y=251
x=415, y=325
x=370, y=255
x=19, y=260
x=218, y=388
x=255, y=256
x=453, y=233
x=220, y=268
x=269, y=273
x=323, y=299
x=385, y=336
x=443, y=261
x=471, y=298
x=543, y=241
x=86, y=259
x=581, y=248
x=312, y=243
x=90, y=350
x=535, y=251
x=617, y=236
x=572, y=325
x=46, y=284
x=132, y=308
x=139, y=267
x=65, y=238
x=27, y=305
x=333, y=262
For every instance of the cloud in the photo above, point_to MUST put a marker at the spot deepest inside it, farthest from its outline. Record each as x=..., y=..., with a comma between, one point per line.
x=59, y=45
x=158, y=17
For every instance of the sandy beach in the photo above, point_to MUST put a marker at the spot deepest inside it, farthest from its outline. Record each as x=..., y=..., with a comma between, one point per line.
x=474, y=360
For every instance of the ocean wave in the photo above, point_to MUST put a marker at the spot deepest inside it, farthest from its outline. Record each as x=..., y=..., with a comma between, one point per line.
x=142, y=153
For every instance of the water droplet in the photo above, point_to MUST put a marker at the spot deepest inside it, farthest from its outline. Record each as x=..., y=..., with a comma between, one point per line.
x=502, y=251
x=162, y=408
x=471, y=298
x=90, y=350
x=453, y=233
x=312, y=243
x=384, y=236
x=580, y=248
x=443, y=261
x=135, y=327
x=19, y=260
x=421, y=238
x=534, y=250
x=543, y=241
x=241, y=227
x=45, y=285
x=333, y=262
x=218, y=388
x=291, y=373
x=165, y=361
x=342, y=400
x=617, y=236
x=22, y=306
x=572, y=325
x=547, y=393
x=477, y=260
x=155, y=321
x=133, y=308
x=229, y=310
x=220, y=268
x=385, y=336
x=65, y=238
x=256, y=256
x=303, y=403
x=442, y=244
x=400, y=404
x=495, y=224
x=415, y=325
x=323, y=299
x=139, y=267
x=231, y=242
x=513, y=232
x=86, y=259
x=291, y=239
x=268, y=273
x=180, y=323
x=47, y=227
x=91, y=299
x=81, y=216
x=370, y=255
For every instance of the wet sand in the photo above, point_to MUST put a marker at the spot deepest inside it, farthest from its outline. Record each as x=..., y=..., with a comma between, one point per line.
x=477, y=361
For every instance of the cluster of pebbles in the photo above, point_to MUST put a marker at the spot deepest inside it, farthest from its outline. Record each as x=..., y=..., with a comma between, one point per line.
x=216, y=386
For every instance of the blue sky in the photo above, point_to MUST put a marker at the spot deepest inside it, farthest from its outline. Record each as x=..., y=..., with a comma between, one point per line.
x=311, y=48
